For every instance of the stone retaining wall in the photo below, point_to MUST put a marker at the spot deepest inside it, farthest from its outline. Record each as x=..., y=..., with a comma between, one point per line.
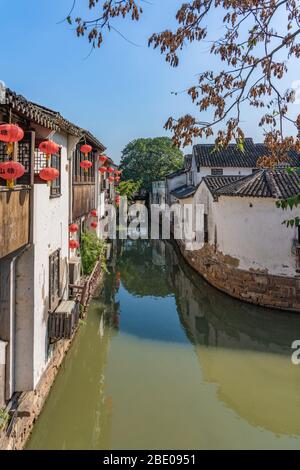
x=255, y=287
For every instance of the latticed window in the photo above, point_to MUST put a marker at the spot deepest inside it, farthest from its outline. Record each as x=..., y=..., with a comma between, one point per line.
x=54, y=280
x=55, y=189
x=40, y=162
x=79, y=175
x=24, y=149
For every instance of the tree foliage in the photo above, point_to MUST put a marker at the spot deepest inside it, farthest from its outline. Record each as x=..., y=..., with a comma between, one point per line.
x=257, y=39
x=128, y=188
x=148, y=160
x=91, y=250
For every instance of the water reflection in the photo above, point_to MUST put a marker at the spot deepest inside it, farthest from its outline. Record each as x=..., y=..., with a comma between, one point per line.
x=167, y=361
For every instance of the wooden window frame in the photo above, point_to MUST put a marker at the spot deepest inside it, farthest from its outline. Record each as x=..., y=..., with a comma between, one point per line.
x=54, y=278
x=55, y=188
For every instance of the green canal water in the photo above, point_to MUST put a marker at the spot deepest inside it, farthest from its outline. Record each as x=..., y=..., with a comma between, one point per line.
x=165, y=361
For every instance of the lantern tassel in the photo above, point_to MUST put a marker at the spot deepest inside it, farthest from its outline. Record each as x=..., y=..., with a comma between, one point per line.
x=10, y=148
x=10, y=184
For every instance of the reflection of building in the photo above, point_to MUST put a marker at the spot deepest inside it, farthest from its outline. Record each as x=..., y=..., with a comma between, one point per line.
x=244, y=350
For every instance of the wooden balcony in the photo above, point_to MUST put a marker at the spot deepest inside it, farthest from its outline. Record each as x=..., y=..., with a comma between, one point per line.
x=83, y=199
x=15, y=220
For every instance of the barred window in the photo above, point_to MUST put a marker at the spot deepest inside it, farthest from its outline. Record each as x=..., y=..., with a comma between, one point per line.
x=54, y=280
x=55, y=189
x=217, y=171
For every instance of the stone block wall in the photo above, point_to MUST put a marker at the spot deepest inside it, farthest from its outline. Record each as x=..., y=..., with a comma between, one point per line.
x=258, y=288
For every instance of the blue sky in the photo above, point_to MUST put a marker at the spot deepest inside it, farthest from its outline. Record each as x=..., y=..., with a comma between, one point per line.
x=120, y=92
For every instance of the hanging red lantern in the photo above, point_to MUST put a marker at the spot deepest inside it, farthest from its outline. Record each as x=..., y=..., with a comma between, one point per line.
x=117, y=179
x=49, y=174
x=94, y=225
x=73, y=244
x=102, y=170
x=86, y=164
x=86, y=149
x=93, y=213
x=10, y=133
x=103, y=159
x=118, y=172
x=111, y=179
x=49, y=148
x=11, y=171
x=73, y=228
x=110, y=169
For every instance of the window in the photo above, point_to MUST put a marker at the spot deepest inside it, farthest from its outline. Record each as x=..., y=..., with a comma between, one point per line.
x=54, y=280
x=216, y=171
x=191, y=177
x=55, y=189
x=205, y=228
x=79, y=175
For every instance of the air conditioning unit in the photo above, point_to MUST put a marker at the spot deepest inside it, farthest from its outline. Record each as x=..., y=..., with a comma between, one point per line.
x=64, y=320
x=74, y=271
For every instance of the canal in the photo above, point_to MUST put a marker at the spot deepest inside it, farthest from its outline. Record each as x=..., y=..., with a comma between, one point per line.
x=165, y=361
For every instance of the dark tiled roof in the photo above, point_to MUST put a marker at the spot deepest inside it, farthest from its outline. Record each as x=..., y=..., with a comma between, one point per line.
x=48, y=118
x=233, y=157
x=183, y=191
x=216, y=182
x=176, y=173
x=277, y=184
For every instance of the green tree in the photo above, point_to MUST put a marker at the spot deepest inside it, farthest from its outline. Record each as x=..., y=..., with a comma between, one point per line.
x=128, y=188
x=148, y=160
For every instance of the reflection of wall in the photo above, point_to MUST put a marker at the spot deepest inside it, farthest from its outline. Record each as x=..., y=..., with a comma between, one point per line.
x=215, y=319
x=248, y=357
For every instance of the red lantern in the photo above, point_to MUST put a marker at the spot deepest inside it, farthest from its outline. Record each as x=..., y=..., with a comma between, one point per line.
x=73, y=244
x=10, y=133
x=10, y=171
x=73, y=228
x=102, y=170
x=86, y=164
x=118, y=172
x=111, y=179
x=49, y=174
x=117, y=179
x=94, y=225
x=110, y=169
x=93, y=213
x=103, y=159
x=49, y=148
x=86, y=149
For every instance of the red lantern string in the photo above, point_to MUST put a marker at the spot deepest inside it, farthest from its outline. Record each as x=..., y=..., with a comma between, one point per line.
x=10, y=171
x=10, y=133
x=103, y=159
x=49, y=148
x=73, y=228
x=73, y=244
x=86, y=149
x=49, y=174
x=86, y=164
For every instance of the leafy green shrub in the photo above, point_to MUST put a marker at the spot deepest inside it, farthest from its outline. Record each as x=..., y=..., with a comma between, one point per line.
x=91, y=250
x=4, y=417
